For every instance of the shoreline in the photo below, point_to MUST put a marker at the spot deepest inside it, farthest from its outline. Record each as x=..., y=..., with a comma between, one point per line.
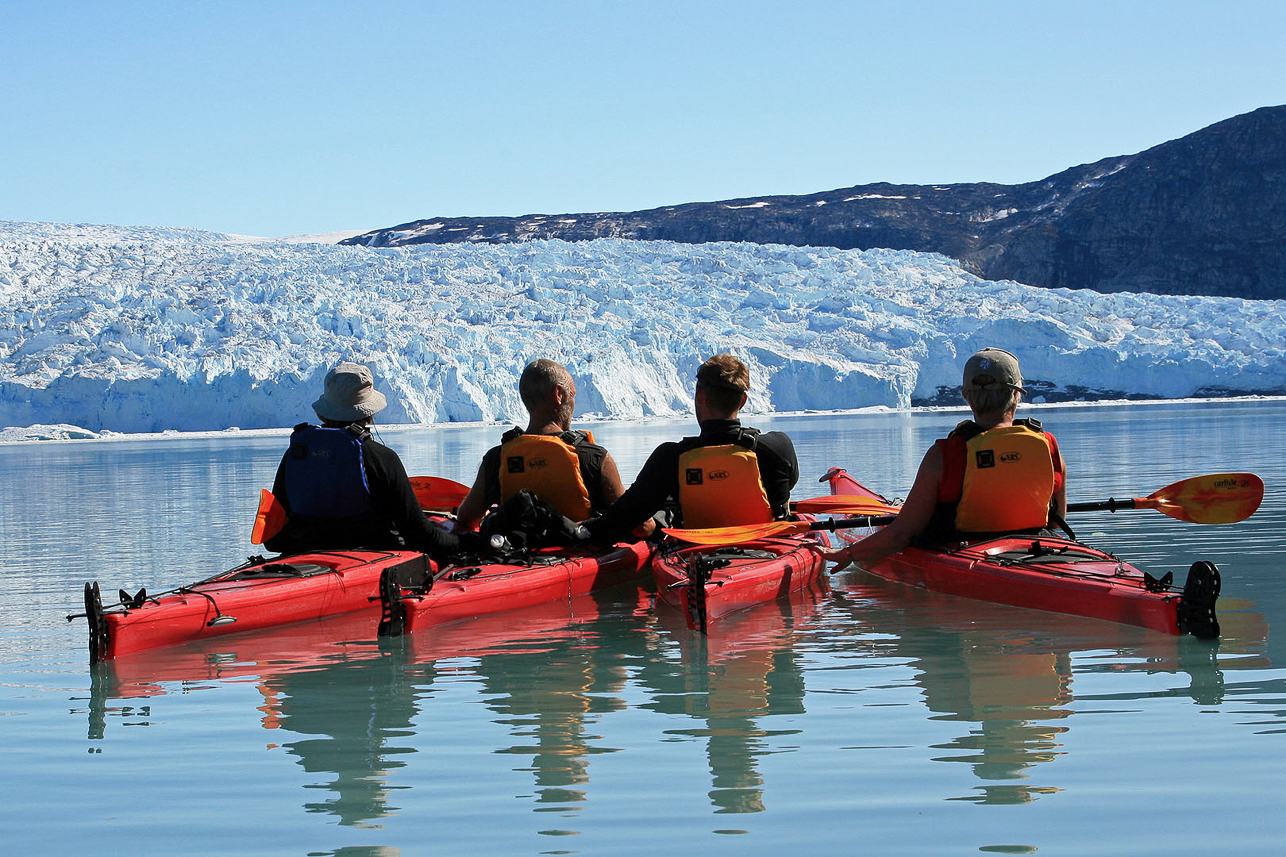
x=64, y=433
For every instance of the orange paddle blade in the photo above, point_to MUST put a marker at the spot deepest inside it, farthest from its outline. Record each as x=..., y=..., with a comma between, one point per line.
x=737, y=535
x=270, y=518
x=437, y=494
x=857, y=503
x=1216, y=498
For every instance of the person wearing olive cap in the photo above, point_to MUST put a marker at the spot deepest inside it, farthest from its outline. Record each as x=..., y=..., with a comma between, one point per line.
x=992, y=475
x=727, y=475
x=341, y=489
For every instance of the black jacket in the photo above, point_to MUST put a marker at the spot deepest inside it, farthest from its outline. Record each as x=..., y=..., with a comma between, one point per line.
x=657, y=484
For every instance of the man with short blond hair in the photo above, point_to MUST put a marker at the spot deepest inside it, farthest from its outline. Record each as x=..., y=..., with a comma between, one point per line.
x=728, y=474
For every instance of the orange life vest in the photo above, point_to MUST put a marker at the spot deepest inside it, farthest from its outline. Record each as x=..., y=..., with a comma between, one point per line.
x=1001, y=480
x=720, y=486
x=547, y=466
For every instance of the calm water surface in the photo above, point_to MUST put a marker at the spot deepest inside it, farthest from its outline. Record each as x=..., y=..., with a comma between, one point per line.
x=862, y=718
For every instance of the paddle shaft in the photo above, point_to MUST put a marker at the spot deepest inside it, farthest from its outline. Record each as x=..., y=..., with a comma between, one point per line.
x=844, y=523
x=1111, y=504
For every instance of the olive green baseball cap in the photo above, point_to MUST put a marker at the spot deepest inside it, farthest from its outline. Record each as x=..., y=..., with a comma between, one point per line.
x=991, y=368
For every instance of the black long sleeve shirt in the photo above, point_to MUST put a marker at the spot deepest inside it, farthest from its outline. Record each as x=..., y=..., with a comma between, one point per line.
x=657, y=484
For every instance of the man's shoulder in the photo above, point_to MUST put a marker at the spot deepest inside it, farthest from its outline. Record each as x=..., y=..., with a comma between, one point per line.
x=671, y=449
x=373, y=450
x=582, y=440
x=776, y=437
x=777, y=441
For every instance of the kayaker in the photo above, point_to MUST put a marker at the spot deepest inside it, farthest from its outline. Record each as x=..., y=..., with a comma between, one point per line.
x=992, y=475
x=565, y=468
x=342, y=489
x=727, y=475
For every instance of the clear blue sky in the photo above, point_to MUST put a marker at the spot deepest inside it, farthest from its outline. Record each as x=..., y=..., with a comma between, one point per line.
x=283, y=118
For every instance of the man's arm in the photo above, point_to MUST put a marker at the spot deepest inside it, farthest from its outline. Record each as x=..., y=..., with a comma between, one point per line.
x=655, y=482
x=474, y=506
x=1060, y=493
x=614, y=489
x=393, y=497
x=912, y=519
x=780, y=478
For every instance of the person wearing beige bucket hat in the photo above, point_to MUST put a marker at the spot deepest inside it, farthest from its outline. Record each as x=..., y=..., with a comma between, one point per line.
x=349, y=395
x=993, y=474
x=342, y=489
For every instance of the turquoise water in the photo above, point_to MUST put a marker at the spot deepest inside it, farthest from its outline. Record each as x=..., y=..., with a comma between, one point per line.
x=863, y=718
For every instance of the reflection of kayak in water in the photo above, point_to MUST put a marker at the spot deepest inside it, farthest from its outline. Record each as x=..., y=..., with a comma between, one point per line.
x=528, y=630
x=423, y=599
x=263, y=593
x=768, y=625
x=742, y=684
x=1018, y=678
x=336, y=640
x=261, y=654
x=1053, y=574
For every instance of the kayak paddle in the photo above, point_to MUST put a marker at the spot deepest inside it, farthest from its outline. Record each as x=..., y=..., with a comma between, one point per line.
x=753, y=532
x=1216, y=498
x=270, y=518
x=857, y=503
x=437, y=493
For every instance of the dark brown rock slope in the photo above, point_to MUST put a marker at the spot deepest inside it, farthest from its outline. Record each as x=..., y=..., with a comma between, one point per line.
x=1204, y=214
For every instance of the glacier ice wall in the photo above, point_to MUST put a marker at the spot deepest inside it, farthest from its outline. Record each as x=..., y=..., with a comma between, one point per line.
x=140, y=329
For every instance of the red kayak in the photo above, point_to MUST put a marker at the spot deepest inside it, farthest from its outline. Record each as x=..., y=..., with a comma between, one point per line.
x=415, y=599
x=1054, y=574
x=263, y=593
x=709, y=582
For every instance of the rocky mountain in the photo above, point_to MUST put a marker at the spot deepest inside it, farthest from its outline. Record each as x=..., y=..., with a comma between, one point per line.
x=1201, y=215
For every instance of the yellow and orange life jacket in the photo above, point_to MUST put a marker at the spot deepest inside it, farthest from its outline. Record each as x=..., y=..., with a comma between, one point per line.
x=1000, y=480
x=547, y=466
x=720, y=486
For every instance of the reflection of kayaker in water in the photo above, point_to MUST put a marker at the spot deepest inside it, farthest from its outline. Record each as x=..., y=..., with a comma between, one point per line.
x=565, y=468
x=341, y=489
x=743, y=688
x=727, y=475
x=992, y=475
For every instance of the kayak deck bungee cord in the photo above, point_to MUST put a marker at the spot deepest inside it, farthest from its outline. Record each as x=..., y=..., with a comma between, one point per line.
x=708, y=582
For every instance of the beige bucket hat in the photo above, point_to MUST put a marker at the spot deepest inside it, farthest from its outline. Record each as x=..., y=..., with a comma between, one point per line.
x=349, y=395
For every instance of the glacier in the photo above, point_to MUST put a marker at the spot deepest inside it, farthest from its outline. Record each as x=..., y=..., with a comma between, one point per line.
x=141, y=329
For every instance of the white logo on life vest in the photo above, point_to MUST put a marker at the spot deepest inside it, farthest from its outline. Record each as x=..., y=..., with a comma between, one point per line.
x=1010, y=457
